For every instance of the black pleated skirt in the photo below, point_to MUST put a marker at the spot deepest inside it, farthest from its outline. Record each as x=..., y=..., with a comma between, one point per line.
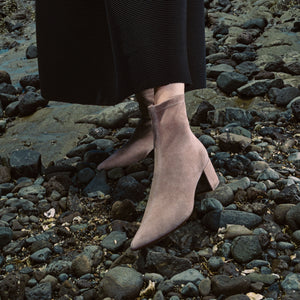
x=100, y=52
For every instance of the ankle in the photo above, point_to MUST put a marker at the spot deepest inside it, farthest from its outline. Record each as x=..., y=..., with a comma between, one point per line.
x=166, y=92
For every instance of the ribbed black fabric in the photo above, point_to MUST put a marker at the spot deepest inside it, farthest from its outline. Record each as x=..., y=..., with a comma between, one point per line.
x=100, y=52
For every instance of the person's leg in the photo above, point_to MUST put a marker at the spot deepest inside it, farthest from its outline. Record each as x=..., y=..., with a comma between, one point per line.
x=141, y=142
x=179, y=161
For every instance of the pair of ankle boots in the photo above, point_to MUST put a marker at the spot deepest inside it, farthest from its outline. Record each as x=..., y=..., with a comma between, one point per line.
x=179, y=161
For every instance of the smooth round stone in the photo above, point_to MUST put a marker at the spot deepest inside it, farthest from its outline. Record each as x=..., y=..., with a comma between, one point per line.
x=215, y=262
x=296, y=236
x=190, y=290
x=285, y=245
x=63, y=277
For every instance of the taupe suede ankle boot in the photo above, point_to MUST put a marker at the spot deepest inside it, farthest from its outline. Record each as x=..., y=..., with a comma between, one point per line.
x=140, y=143
x=179, y=160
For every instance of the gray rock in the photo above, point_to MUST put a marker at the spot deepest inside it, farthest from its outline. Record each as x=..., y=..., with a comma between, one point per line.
x=155, y=277
x=296, y=236
x=286, y=95
x=231, y=81
x=204, y=287
x=291, y=282
x=223, y=193
x=34, y=189
x=293, y=217
x=243, y=56
x=94, y=253
x=5, y=236
x=31, y=52
x=25, y=163
x=122, y=283
x=30, y=102
x=239, y=297
x=113, y=116
x=260, y=23
x=31, y=80
x=223, y=284
x=207, y=140
x=258, y=87
x=295, y=106
x=242, y=183
x=99, y=132
x=57, y=267
x=166, y=286
x=267, y=279
x=103, y=144
x=85, y=175
x=216, y=70
x=215, y=262
x=190, y=290
x=7, y=99
x=200, y=116
x=209, y=204
x=223, y=116
x=6, y=88
x=190, y=275
x=159, y=296
x=41, y=256
x=81, y=150
x=124, y=133
x=98, y=183
x=51, y=279
x=114, y=241
x=236, y=129
x=4, y=77
x=42, y=291
x=233, y=142
x=257, y=263
x=81, y=265
x=247, y=68
x=245, y=248
x=171, y=264
x=130, y=188
x=268, y=174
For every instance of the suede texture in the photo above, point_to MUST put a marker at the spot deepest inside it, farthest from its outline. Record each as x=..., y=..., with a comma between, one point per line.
x=140, y=143
x=179, y=160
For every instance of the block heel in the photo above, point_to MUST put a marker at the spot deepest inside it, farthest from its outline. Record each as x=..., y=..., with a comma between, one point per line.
x=211, y=175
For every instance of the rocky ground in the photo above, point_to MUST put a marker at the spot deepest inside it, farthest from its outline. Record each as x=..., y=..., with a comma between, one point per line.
x=65, y=228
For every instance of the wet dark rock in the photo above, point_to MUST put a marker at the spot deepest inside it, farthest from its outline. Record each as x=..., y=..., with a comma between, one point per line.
x=200, y=115
x=286, y=95
x=295, y=105
x=125, y=133
x=123, y=210
x=81, y=265
x=238, y=297
x=25, y=163
x=231, y=81
x=159, y=296
x=291, y=282
x=122, y=283
x=95, y=156
x=221, y=117
x=259, y=23
x=42, y=291
x=85, y=175
x=275, y=66
x=245, y=38
x=114, y=241
x=29, y=103
x=267, y=279
x=223, y=284
x=245, y=248
x=98, y=183
x=41, y=256
x=7, y=88
x=190, y=290
x=290, y=193
x=244, y=56
x=166, y=264
x=250, y=220
x=220, y=29
x=263, y=74
x=5, y=175
x=6, y=235
x=31, y=80
x=247, y=68
x=293, y=217
x=13, y=286
x=216, y=70
x=31, y=52
x=4, y=77
x=12, y=109
x=94, y=253
x=57, y=267
x=7, y=99
x=258, y=87
x=129, y=188
x=223, y=193
x=80, y=150
x=292, y=68
x=190, y=275
x=99, y=132
x=233, y=142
